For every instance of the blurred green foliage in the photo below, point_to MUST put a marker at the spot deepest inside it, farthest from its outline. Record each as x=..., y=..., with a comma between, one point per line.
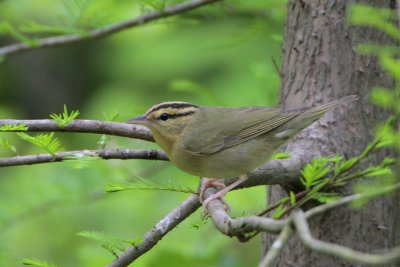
x=388, y=133
x=217, y=55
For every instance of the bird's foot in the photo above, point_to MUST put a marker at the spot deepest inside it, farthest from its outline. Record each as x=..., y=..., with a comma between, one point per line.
x=220, y=194
x=212, y=182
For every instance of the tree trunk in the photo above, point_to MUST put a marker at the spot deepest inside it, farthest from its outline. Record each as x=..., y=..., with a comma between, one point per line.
x=319, y=65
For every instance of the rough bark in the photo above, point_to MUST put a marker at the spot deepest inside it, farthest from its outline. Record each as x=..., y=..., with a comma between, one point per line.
x=320, y=64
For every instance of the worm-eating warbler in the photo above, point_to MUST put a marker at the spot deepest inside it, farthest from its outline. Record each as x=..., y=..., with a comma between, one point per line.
x=223, y=142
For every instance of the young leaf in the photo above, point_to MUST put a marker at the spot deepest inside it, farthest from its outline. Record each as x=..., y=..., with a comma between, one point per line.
x=278, y=212
x=382, y=97
x=64, y=118
x=380, y=18
x=377, y=171
x=324, y=197
x=111, y=116
x=347, y=164
x=111, y=243
x=34, y=262
x=7, y=29
x=46, y=141
x=115, y=187
x=14, y=128
x=292, y=198
x=81, y=161
x=34, y=27
x=317, y=169
x=281, y=155
x=4, y=143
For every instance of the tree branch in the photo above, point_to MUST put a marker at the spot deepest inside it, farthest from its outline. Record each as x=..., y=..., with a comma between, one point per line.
x=73, y=155
x=277, y=246
x=169, y=222
x=86, y=126
x=242, y=225
x=239, y=227
x=336, y=250
x=105, y=31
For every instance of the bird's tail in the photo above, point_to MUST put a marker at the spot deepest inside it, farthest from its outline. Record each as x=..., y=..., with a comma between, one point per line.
x=320, y=110
x=307, y=116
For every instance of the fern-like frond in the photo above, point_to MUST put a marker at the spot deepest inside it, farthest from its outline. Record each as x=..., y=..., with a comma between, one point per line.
x=8, y=30
x=14, y=128
x=39, y=28
x=64, y=118
x=111, y=243
x=39, y=263
x=116, y=187
x=81, y=161
x=46, y=141
x=4, y=143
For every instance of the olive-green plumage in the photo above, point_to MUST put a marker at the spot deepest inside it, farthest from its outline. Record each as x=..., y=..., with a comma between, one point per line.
x=222, y=142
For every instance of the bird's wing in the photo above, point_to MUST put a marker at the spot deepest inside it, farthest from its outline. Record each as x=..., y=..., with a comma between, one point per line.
x=238, y=126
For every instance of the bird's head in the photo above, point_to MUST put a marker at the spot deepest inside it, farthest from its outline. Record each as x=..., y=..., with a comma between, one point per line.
x=167, y=121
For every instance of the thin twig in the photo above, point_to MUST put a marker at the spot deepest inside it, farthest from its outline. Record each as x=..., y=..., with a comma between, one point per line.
x=107, y=30
x=86, y=126
x=348, y=254
x=346, y=200
x=277, y=246
x=118, y=153
x=276, y=67
x=169, y=222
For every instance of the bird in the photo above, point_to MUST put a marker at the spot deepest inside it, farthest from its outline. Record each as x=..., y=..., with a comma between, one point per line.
x=219, y=142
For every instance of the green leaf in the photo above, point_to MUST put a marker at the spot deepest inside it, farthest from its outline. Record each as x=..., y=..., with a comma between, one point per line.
x=81, y=161
x=378, y=171
x=158, y=5
x=278, y=212
x=7, y=29
x=316, y=170
x=385, y=136
x=111, y=243
x=46, y=141
x=346, y=165
x=380, y=18
x=382, y=97
x=64, y=118
x=116, y=187
x=34, y=27
x=292, y=198
x=198, y=224
x=4, y=143
x=392, y=65
x=387, y=161
x=281, y=155
x=14, y=128
x=325, y=197
x=377, y=49
x=34, y=262
x=111, y=116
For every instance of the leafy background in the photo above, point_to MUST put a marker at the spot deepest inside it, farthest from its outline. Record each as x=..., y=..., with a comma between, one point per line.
x=217, y=55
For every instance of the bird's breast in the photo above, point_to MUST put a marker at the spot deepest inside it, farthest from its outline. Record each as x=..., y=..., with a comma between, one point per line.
x=227, y=163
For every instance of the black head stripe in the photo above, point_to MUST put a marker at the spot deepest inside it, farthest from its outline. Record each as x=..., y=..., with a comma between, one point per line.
x=174, y=105
x=176, y=115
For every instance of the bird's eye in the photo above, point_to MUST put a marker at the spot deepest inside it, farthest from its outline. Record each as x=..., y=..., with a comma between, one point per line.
x=164, y=116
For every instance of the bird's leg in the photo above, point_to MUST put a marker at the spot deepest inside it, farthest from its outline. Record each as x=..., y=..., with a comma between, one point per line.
x=209, y=182
x=223, y=191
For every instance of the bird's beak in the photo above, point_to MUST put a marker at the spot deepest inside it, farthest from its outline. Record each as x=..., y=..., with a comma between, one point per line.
x=141, y=120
